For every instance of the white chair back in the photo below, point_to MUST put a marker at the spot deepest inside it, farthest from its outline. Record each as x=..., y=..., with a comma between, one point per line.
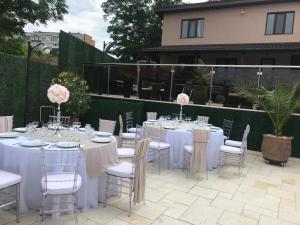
x=107, y=125
x=203, y=119
x=155, y=133
x=129, y=120
x=227, y=125
x=151, y=115
x=61, y=161
x=6, y=123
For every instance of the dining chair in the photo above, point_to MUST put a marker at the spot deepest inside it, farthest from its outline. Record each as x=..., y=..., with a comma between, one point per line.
x=45, y=112
x=6, y=123
x=203, y=119
x=129, y=177
x=125, y=138
x=60, y=178
x=238, y=152
x=195, y=156
x=151, y=115
x=227, y=125
x=129, y=122
x=11, y=180
x=157, y=147
x=107, y=125
x=127, y=153
x=64, y=120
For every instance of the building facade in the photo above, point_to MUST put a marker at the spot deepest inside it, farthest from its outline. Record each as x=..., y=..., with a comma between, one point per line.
x=231, y=32
x=50, y=40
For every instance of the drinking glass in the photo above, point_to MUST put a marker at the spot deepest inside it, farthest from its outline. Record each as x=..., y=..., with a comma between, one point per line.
x=76, y=125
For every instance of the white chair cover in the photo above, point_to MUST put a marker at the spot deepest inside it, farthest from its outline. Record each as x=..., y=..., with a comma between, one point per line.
x=6, y=123
x=151, y=115
x=204, y=119
x=199, y=154
x=107, y=125
x=139, y=171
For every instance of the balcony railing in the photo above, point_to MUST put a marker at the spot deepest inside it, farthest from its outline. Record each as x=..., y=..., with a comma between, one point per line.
x=205, y=84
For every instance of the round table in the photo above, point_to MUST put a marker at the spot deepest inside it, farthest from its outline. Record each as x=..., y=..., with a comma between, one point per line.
x=27, y=162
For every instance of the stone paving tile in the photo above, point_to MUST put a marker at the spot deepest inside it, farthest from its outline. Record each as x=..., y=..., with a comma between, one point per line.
x=263, y=195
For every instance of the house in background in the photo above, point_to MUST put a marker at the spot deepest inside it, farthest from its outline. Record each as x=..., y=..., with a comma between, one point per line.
x=230, y=32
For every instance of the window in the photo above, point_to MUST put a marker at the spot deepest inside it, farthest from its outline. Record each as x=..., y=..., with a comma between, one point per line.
x=280, y=23
x=192, y=28
x=267, y=61
x=226, y=61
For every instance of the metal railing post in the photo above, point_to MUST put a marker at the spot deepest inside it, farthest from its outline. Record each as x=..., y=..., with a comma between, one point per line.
x=171, y=84
x=138, y=81
x=212, y=73
x=108, y=78
x=259, y=74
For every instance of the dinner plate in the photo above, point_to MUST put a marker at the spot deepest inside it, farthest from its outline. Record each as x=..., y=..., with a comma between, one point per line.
x=103, y=134
x=54, y=127
x=151, y=120
x=82, y=129
x=32, y=143
x=9, y=135
x=102, y=139
x=169, y=127
x=20, y=129
x=67, y=144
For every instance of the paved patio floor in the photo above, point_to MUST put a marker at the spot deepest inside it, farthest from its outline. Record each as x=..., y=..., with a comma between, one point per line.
x=263, y=195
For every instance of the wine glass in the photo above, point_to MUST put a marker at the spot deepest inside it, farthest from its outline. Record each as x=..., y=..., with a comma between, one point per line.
x=76, y=125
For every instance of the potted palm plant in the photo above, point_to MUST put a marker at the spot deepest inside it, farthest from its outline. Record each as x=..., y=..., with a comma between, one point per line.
x=200, y=79
x=279, y=103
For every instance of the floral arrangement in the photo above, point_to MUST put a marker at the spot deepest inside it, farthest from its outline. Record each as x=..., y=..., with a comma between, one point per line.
x=79, y=99
x=58, y=94
x=183, y=99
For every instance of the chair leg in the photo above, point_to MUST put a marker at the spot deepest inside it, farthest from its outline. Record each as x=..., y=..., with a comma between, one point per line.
x=130, y=197
x=42, y=209
x=158, y=162
x=169, y=158
x=106, y=190
x=18, y=203
x=75, y=199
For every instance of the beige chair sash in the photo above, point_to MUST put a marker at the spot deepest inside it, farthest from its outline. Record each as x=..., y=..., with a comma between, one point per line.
x=107, y=125
x=139, y=171
x=6, y=123
x=199, y=154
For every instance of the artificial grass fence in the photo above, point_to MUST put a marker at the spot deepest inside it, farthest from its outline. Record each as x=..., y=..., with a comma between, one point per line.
x=110, y=108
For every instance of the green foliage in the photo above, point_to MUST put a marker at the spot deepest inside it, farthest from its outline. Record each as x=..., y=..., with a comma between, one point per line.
x=15, y=14
x=200, y=76
x=79, y=100
x=134, y=25
x=279, y=103
x=13, y=46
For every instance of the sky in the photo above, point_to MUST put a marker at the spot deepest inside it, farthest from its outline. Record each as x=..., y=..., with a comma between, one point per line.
x=85, y=16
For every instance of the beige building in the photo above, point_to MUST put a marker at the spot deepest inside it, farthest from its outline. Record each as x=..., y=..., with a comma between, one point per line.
x=230, y=32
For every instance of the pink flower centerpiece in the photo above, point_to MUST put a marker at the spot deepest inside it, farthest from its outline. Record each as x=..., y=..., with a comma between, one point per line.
x=182, y=99
x=58, y=94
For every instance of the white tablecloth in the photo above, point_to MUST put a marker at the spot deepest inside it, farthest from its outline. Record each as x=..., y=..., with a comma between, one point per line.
x=179, y=138
x=27, y=163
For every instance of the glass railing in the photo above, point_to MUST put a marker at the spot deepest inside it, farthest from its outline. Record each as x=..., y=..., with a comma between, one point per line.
x=205, y=84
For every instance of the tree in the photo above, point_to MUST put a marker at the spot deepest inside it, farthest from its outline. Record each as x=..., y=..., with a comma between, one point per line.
x=134, y=25
x=15, y=14
x=14, y=46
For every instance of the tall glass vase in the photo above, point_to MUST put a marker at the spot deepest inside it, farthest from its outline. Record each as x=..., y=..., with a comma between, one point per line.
x=58, y=116
x=180, y=114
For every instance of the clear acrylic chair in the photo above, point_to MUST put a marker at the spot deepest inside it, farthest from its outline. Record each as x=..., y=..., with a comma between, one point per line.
x=107, y=126
x=203, y=119
x=159, y=149
x=7, y=181
x=151, y=115
x=64, y=120
x=129, y=177
x=125, y=138
x=239, y=153
x=45, y=112
x=60, y=179
x=127, y=153
x=227, y=125
x=129, y=122
x=196, y=155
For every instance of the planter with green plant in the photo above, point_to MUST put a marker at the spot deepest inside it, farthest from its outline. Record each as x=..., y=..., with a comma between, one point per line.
x=79, y=100
x=279, y=103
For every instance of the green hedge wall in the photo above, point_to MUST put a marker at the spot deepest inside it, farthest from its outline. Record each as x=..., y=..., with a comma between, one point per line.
x=110, y=108
x=12, y=87
x=73, y=53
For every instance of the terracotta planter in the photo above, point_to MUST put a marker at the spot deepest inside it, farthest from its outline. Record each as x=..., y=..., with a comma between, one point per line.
x=276, y=149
